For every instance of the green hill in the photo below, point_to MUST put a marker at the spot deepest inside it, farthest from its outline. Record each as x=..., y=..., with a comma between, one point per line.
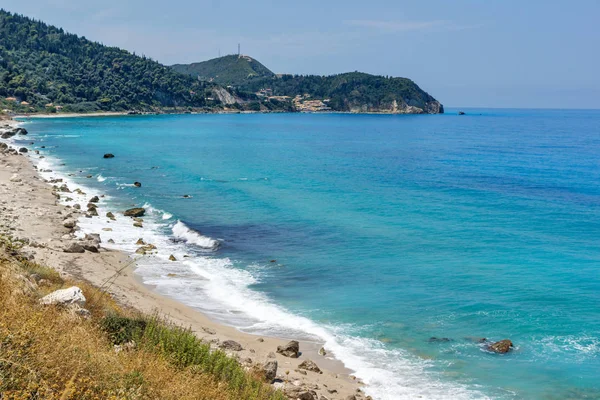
x=44, y=68
x=42, y=65
x=349, y=92
x=228, y=70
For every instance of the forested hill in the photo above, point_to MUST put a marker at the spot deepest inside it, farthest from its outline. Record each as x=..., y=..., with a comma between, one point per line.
x=352, y=92
x=44, y=66
x=227, y=70
x=349, y=92
x=45, y=69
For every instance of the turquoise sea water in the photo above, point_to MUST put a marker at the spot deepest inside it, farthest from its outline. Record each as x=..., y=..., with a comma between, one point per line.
x=386, y=231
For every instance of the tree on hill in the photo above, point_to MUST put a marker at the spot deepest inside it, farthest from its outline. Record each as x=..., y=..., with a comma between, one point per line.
x=42, y=65
x=228, y=70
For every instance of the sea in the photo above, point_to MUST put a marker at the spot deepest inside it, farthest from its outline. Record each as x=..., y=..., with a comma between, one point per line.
x=398, y=241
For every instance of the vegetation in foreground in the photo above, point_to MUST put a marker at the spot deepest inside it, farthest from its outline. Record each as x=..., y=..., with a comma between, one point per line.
x=51, y=353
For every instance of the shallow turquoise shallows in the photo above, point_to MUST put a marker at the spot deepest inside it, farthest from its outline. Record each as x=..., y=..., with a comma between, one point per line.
x=384, y=231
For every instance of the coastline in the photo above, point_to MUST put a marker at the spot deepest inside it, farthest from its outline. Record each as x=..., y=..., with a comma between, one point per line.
x=39, y=220
x=226, y=112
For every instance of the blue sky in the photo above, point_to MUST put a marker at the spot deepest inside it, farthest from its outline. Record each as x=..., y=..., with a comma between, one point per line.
x=484, y=53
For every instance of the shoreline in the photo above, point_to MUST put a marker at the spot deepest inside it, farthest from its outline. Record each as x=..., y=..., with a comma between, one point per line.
x=222, y=112
x=39, y=220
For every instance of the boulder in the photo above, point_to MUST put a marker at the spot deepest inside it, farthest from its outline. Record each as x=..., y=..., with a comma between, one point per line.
x=310, y=366
x=74, y=248
x=69, y=223
x=109, y=155
x=91, y=205
x=93, y=237
x=90, y=246
x=94, y=199
x=231, y=345
x=137, y=184
x=140, y=242
x=439, y=340
x=110, y=215
x=21, y=131
x=476, y=339
x=72, y=295
x=145, y=249
x=172, y=258
x=23, y=150
x=135, y=212
x=209, y=330
x=3, y=146
x=292, y=349
x=15, y=178
x=501, y=347
x=270, y=370
x=298, y=393
x=92, y=212
x=322, y=351
x=138, y=225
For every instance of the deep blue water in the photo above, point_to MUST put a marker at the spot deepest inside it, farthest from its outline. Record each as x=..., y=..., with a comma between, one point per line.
x=386, y=231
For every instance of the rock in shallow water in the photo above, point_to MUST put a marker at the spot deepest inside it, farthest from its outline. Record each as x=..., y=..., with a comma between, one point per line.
x=135, y=212
x=501, y=347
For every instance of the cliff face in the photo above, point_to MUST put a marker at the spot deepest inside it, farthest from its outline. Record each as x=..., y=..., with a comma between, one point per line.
x=398, y=107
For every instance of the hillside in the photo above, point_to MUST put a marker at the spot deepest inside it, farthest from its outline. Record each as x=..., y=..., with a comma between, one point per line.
x=352, y=92
x=45, y=69
x=43, y=65
x=349, y=92
x=228, y=70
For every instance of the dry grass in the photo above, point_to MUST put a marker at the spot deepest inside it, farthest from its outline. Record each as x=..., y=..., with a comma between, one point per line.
x=48, y=353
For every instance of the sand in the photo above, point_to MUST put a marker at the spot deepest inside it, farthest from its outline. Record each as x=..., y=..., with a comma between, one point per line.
x=30, y=210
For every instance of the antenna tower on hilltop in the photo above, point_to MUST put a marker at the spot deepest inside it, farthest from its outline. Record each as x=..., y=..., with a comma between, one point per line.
x=239, y=52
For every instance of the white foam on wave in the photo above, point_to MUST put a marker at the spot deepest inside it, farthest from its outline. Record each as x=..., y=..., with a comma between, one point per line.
x=181, y=231
x=217, y=287
x=100, y=178
x=574, y=347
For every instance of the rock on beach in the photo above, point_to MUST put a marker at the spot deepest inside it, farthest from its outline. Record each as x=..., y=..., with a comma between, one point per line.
x=292, y=349
x=72, y=295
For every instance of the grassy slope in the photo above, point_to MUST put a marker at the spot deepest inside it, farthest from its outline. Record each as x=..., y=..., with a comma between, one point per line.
x=227, y=70
x=49, y=353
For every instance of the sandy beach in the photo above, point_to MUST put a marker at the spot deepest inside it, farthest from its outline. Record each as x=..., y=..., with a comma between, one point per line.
x=31, y=210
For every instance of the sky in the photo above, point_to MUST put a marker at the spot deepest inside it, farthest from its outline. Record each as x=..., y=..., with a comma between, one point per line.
x=465, y=53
